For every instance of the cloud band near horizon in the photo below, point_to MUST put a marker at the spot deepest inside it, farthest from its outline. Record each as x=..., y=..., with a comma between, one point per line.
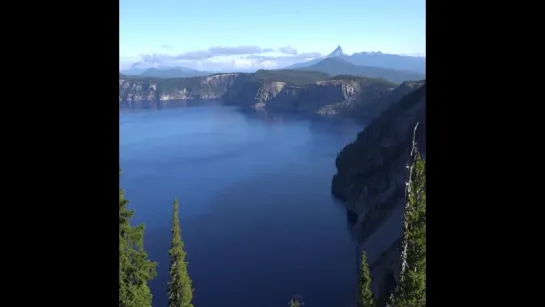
x=249, y=56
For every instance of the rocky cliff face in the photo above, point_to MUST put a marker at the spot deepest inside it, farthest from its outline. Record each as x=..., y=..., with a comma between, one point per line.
x=137, y=90
x=357, y=97
x=330, y=97
x=370, y=178
x=209, y=87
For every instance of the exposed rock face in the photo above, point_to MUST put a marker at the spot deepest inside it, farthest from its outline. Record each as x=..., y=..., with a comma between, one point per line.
x=332, y=97
x=362, y=98
x=209, y=87
x=137, y=90
x=262, y=94
x=370, y=178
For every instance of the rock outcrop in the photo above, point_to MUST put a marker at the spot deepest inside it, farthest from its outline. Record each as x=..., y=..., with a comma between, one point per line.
x=346, y=96
x=209, y=87
x=370, y=179
x=277, y=91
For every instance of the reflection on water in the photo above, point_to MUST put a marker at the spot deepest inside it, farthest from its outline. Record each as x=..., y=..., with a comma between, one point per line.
x=153, y=105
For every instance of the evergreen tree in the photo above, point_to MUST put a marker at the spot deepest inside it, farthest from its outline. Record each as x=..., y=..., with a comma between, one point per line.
x=135, y=269
x=365, y=297
x=411, y=288
x=180, y=291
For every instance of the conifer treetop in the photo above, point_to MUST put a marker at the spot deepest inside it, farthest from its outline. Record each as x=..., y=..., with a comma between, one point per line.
x=180, y=291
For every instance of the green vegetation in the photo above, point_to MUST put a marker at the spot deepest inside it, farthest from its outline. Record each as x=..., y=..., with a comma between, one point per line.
x=244, y=89
x=194, y=86
x=349, y=159
x=180, y=72
x=365, y=297
x=180, y=291
x=294, y=77
x=378, y=81
x=136, y=78
x=176, y=84
x=411, y=288
x=135, y=269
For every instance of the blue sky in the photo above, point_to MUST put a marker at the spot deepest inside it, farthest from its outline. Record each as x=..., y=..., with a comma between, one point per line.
x=223, y=34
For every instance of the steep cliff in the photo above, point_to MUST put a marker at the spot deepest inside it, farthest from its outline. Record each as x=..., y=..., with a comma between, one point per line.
x=370, y=179
x=280, y=90
x=382, y=103
x=209, y=87
x=341, y=95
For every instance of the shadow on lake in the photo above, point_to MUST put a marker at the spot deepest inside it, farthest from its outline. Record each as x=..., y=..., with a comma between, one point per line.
x=268, y=237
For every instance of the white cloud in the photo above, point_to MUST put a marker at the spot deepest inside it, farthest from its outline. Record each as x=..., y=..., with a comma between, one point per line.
x=238, y=58
x=270, y=64
x=242, y=63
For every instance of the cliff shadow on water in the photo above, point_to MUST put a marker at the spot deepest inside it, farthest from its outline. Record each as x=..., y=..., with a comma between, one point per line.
x=303, y=229
x=318, y=123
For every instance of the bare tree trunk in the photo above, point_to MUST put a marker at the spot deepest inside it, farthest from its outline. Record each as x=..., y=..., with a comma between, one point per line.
x=404, y=243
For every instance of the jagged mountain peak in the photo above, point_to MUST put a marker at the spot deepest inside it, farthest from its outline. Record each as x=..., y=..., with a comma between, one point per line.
x=337, y=52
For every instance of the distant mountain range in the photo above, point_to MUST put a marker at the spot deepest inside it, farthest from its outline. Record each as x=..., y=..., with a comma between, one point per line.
x=337, y=65
x=391, y=67
x=374, y=59
x=174, y=72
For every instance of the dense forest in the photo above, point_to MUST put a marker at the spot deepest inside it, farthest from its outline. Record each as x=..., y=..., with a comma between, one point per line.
x=136, y=269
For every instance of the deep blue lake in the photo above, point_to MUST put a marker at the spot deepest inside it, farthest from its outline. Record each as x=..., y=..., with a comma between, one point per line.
x=257, y=216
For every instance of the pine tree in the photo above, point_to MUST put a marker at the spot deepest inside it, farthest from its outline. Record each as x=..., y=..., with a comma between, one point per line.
x=411, y=288
x=135, y=269
x=365, y=298
x=180, y=290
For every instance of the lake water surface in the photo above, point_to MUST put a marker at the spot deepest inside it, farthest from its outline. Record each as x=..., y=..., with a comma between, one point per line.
x=257, y=216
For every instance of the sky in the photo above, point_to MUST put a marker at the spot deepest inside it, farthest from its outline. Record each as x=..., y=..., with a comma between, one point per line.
x=223, y=35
